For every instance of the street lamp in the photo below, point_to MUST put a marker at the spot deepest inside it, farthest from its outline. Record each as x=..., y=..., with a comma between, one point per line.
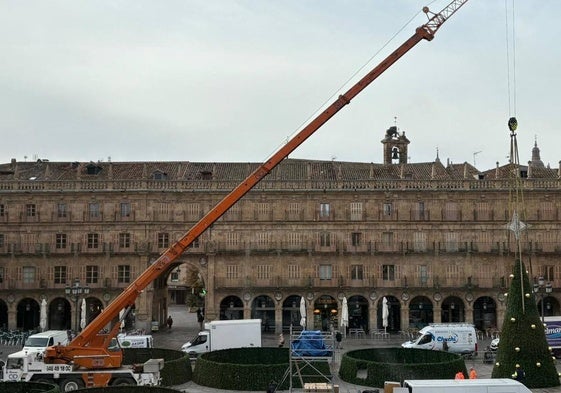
x=542, y=289
x=73, y=292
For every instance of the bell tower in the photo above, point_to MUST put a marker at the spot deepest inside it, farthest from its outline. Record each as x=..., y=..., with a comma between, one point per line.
x=395, y=146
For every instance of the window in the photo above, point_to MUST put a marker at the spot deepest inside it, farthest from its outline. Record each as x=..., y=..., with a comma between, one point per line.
x=548, y=273
x=357, y=272
x=451, y=212
x=423, y=274
x=232, y=239
x=324, y=210
x=262, y=240
x=163, y=240
x=60, y=274
x=193, y=211
x=1, y=274
x=356, y=239
x=388, y=208
x=92, y=274
x=93, y=240
x=451, y=240
x=160, y=175
x=2, y=210
x=325, y=239
x=28, y=274
x=125, y=209
x=388, y=272
x=293, y=271
x=264, y=271
x=293, y=211
x=93, y=210
x=387, y=238
x=61, y=241
x=232, y=272
x=2, y=242
x=124, y=240
x=294, y=240
x=61, y=210
x=174, y=276
x=30, y=210
x=123, y=274
x=356, y=211
x=419, y=241
x=263, y=210
x=325, y=272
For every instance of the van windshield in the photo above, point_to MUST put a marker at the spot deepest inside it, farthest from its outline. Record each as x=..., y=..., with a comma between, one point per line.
x=37, y=342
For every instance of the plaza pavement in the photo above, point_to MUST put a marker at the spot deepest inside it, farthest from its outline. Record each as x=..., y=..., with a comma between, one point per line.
x=185, y=327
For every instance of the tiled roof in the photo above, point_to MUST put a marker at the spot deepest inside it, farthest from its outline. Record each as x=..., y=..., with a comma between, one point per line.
x=289, y=169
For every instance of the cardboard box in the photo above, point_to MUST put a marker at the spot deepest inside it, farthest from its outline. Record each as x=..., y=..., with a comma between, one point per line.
x=389, y=385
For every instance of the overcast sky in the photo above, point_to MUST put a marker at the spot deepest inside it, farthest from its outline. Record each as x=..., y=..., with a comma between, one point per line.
x=231, y=80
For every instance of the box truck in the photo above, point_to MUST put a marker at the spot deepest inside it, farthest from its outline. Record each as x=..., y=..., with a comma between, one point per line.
x=495, y=385
x=237, y=333
x=457, y=338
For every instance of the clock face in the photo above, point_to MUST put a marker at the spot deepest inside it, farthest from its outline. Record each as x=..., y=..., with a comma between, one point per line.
x=106, y=297
x=246, y=296
x=405, y=296
x=373, y=295
x=437, y=296
x=469, y=297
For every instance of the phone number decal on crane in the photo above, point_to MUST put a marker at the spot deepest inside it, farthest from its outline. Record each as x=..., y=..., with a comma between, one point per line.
x=59, y=367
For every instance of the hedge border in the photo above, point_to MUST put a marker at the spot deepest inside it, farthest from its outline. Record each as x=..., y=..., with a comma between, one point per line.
x=398, y=364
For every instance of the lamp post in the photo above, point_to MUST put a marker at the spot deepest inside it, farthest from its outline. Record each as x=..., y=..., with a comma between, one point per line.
x=542, y=289
x=73, y=292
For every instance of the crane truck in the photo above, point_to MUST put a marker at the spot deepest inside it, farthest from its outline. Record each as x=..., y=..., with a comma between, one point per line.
x=92, y=359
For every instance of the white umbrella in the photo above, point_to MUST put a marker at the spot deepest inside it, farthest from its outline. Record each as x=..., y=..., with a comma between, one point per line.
x=344, y=316
x=43, y=315
x=121, y=318
x=303, y=312
x=385, y=313
x=83, y=314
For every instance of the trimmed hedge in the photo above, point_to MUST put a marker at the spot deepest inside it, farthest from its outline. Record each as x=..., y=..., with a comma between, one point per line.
x=177, y=365
x=398, y=364
x=128, y=389
x=252, y=369
x=26, y=387
x=241, y=368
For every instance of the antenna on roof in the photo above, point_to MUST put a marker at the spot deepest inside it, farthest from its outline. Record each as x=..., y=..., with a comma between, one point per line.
x=474, y=154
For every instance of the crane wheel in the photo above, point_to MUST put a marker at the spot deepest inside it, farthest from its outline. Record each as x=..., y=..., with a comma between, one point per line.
x=123, y=382
x=71, y=384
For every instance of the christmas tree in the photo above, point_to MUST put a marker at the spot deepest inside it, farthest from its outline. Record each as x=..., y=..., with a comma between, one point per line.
x=523, y=347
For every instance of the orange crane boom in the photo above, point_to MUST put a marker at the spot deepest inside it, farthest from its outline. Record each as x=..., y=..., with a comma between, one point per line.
x=90, y=348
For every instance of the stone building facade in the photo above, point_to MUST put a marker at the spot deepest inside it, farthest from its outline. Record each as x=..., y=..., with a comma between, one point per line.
x=430, y=238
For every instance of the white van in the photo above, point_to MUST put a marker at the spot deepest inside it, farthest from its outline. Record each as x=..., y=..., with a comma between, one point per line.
x=495, y=385
x=452, y=337
x=135, y=341
x=40, y=341
x=37, y=343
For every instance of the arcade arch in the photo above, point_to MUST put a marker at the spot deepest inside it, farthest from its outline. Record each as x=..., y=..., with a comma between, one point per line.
x=231, y=307
x=420, y=312
x=453, y=310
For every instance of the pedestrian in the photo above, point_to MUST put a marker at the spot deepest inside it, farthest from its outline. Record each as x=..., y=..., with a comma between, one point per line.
x=169, y=321
x=459, y=375
x=519, y=374
x=338, y=338
x=472, y=373
x=200, y=318
x=281, y=340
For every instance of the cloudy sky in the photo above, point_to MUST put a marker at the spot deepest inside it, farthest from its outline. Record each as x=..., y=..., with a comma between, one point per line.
x=231, y=80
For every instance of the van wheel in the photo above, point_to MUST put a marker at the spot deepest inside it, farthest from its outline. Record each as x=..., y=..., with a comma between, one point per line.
x=123, y=382
x=71, y=384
